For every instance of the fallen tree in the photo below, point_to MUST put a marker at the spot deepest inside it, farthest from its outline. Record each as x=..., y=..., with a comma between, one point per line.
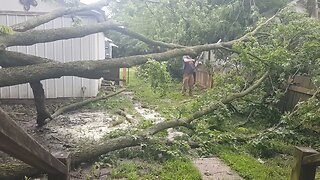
x=91, y=152
x=96, y=69
x=32, y=69
x=19, y=68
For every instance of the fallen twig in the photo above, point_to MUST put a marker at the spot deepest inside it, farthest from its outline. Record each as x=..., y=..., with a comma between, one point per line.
x=77, y=105
x=127, y=116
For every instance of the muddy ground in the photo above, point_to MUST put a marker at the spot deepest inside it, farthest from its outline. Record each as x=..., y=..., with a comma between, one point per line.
x=68, y=130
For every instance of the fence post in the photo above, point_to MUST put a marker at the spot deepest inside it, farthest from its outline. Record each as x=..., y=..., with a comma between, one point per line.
x=300, y=171
x=65, y=159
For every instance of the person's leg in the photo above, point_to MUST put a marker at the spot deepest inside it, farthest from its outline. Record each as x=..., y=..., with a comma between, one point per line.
x=184, y=84
x=190, y=84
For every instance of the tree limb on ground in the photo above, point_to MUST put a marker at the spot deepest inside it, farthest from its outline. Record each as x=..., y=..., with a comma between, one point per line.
x=91, y=152
x=127, y=116
x=78, y=105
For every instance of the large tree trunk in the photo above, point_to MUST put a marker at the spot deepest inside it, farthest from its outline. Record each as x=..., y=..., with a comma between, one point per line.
x=90, y=69
x=91, y=152
x=39, y=100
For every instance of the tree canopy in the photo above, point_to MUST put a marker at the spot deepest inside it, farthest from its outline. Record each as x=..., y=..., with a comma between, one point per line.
x=189, y=22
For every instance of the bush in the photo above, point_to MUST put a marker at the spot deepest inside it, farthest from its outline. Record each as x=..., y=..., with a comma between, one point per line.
x=175, y=68
x=155, y=73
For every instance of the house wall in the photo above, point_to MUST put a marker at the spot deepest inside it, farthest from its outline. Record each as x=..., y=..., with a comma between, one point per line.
x=86, y=48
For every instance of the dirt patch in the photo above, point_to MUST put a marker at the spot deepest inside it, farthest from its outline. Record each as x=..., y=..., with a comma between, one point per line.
x=215, y=169
x=65, y=131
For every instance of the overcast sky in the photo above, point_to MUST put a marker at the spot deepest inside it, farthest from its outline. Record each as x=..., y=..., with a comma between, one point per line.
x=93, y=1
x=89, y=1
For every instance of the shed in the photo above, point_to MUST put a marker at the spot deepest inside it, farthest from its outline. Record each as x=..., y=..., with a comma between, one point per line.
x=91, y=47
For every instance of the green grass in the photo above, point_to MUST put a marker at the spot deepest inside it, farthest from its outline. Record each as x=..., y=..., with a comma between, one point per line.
x=245, y=164
x=250, y=168
x=171, y=105
x=113, y=104
x=241, y=156
x=135, y=170
x=178, y=169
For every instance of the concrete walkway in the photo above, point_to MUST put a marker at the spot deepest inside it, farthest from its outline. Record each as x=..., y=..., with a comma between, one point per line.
x=215, y=169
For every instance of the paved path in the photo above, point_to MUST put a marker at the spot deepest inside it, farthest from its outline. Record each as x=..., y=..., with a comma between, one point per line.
x=215, y=169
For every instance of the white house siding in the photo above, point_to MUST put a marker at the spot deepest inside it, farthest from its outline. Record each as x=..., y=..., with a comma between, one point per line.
x=87, y=48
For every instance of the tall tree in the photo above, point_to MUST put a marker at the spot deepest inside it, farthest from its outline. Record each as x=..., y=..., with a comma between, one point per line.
x=188, y=22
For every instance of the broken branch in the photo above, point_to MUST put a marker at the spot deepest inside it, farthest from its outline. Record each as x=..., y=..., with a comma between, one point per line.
x=78, y=105
x=42, y=36
x=34, y=22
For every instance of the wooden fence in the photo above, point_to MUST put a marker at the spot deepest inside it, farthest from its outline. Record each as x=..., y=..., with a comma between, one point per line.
x=300, y=88
x=203, y=77
x=305, y=165
x=17, y=143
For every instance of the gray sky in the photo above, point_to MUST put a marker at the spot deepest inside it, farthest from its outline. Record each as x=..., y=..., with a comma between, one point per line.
x=93, y=1
x=89, y=1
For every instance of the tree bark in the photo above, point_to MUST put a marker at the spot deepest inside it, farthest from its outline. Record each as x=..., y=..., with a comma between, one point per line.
x=39, y=99
x=14, y=59
x=77, y=105
x=48, y=69
x=144, y=39
x=91, y=152
x=42, y=36
x=94, y=69
x=91, y=69
x=127, y=116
